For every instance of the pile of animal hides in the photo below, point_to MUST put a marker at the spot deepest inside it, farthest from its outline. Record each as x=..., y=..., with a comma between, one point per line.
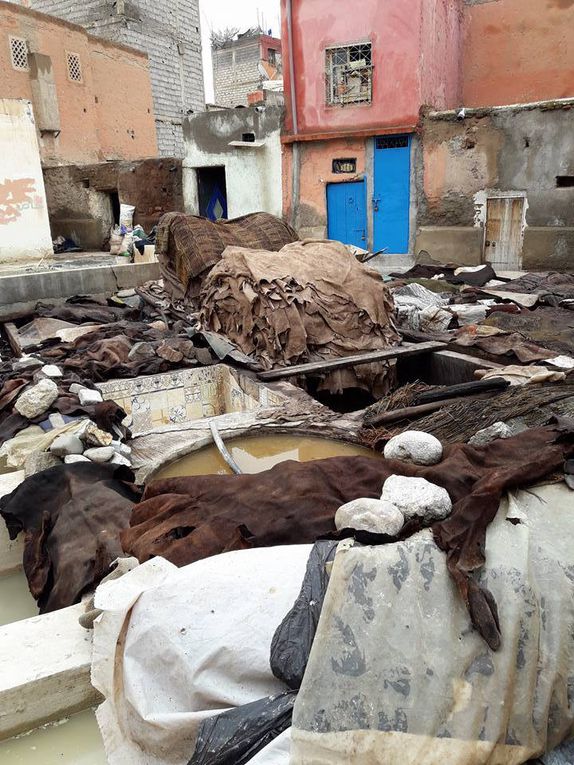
x=187, y=246
x=311, y=301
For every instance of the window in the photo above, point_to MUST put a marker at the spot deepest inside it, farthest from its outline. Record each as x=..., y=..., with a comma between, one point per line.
x=349, y=74
x=345, y=165
x=19, y=53
x=74, y=67
x=272, y=57
x=565, y=181
x=393, y=142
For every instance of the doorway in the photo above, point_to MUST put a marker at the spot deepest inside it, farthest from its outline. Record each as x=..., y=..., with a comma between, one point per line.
x=391, y=200
x=504, y=232
x=347, y=213
x=212, y=192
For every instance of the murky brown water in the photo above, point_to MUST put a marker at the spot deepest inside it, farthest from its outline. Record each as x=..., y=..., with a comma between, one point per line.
x=16, y=602
x=254, y=454
x=74, y=742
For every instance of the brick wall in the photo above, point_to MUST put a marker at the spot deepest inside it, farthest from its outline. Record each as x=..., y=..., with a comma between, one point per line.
x=169, y=33
x=235, y=72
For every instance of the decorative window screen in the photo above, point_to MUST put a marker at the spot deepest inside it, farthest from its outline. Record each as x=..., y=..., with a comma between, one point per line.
x=393, y=142
x=74, y=67
x=349, y=74
x=19, y=53
x=345, y=165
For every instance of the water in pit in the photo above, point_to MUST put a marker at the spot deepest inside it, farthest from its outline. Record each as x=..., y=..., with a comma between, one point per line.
x=16, y=601
x=76, y=741
x=254, y=454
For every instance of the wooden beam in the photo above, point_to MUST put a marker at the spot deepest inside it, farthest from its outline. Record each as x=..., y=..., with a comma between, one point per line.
x=320, y=367
x=12, y=335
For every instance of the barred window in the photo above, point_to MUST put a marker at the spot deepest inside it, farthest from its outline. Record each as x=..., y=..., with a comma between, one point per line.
x=74, y=67
x=349, y=74
x=19, y=53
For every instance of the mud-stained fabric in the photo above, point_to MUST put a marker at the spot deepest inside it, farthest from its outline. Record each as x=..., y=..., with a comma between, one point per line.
x=186, y=519
x=71, y=516
x=188, y=245
x=512, y=345
x=311, y=301
x=552, y=328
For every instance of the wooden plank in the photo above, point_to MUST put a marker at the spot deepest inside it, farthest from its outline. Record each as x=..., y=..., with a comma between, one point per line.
x=12, y=336
x=320, y=367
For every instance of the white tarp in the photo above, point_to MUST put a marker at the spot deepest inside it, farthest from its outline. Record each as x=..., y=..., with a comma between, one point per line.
x=397, y=675
x=175, y=646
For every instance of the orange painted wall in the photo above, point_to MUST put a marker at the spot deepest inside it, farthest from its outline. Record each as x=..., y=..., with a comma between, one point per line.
x=518, y=51
x=109, y=115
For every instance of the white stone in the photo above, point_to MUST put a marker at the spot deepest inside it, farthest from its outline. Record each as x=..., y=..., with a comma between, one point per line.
x=122, y=448
x=51, y=370
x=126, y=293
x=70, y=459
x=370, y=515
x=486, y=435
x=26, y=362
x=88, y=397
x=37, y=400
x=100, y=453
x=417, y=498
x=119, y=459
x=65, y=444
x=76, y=388
x=414, y=446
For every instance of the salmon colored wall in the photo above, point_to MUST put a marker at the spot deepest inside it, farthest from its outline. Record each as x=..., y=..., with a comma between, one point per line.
x=413, y=60
x=518, y=51
x=107, y=116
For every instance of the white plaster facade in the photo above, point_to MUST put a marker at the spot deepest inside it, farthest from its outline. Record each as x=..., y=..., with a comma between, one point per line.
x=252, y=168
x=24, y=224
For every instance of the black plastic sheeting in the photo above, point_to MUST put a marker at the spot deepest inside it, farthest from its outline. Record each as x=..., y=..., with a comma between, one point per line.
x=234, y=737
x=294, y=637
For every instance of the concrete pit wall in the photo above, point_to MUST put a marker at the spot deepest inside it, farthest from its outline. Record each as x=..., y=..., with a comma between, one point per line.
x=495, y=151
x=252, y=170
x=80, y=202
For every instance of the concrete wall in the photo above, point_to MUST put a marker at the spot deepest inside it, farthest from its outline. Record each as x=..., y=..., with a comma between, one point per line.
x=235, y=68
x=519, y=150
x=108, y=115
x=253, y=171
x=24, y=226
x=79, y=201
x=410, y=66
x=517, y=51
x=169, y=33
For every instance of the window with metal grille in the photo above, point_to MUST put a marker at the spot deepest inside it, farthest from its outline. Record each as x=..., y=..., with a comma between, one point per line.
x=349, y=74
x=19, y=53
x=74, y=67
x=393, y=142
x=345, y=165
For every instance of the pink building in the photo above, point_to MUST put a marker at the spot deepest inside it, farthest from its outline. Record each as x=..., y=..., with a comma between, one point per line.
x=358, y=82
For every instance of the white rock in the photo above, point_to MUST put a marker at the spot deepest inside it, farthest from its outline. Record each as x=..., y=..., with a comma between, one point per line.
x=414, y=446
x=417, y=497
x=37, y=400
x=51, y=370
x=122, y=448
x=70, y=459
x=76, y=388
x=65, y=444
x=486, y=435
x=26, y=362
x=100, y=453
x=88, y=397
x=126, y=293
x=370, y=515
x=94, y=436
x=119, y=459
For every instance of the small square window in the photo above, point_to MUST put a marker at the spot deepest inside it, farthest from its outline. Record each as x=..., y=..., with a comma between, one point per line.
x=349, y=71
x=74, y=67
x=19, y=53
x=348, y=165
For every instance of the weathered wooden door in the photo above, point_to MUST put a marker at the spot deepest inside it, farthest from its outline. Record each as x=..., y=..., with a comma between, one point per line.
x=504, y=232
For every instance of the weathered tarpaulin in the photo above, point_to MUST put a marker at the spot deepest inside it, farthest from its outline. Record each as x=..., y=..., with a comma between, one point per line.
x=187, y=245
x=187, y=519
x=311, y=301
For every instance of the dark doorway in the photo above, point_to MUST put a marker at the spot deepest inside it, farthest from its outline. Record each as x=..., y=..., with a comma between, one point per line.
x=212, y=192
x=115, y=201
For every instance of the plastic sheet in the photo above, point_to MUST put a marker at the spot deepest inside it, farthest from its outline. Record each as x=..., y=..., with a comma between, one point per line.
x=397, y=675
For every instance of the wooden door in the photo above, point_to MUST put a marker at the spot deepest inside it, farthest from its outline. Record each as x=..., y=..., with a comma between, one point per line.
x=504, y=233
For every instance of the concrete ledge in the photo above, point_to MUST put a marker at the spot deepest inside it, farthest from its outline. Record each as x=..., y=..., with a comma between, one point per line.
x=44, y=670
x=548, y=248
x=23, y=290
x=451, y=244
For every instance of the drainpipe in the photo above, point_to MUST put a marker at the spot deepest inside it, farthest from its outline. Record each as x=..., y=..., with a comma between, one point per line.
x=295, y=169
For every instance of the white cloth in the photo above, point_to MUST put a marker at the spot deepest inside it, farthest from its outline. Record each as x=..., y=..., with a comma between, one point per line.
x=175, y=646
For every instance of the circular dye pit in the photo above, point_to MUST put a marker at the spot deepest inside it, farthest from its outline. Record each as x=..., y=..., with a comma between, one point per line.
x=254, y=454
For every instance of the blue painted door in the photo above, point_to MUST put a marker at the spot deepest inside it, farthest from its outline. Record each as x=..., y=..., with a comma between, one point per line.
x=347, y=213
x=391, y=200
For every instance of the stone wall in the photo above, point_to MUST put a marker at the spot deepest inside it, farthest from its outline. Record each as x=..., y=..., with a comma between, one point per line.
x=235, y=72
x=170, y=37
